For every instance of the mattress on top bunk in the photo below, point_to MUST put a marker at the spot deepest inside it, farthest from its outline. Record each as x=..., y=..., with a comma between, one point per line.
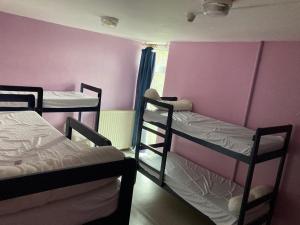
x=205, y=190
x=232, y=137
x=30, y=145
x=68, y=99
x=57, y=99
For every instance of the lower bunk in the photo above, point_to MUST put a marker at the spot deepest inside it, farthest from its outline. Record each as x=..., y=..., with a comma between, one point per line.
x=206, y=191
x=45, y=178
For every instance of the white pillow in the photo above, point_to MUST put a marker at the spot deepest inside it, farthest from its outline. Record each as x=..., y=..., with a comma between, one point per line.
x=179, y=105
x=261, y=190
x=152, y=94
x=235, y=203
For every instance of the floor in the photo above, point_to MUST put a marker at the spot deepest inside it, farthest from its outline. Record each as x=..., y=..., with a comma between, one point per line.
x=152, y=205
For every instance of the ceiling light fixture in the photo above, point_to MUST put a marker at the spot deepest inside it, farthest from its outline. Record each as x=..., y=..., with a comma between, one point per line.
x=109, y=21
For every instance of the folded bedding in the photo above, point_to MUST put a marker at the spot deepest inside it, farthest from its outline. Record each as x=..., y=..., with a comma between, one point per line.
x=30, y=145
x=57, y=99
x=179, y=105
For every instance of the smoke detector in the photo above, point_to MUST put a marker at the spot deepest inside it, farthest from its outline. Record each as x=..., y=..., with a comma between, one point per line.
x=109, y=21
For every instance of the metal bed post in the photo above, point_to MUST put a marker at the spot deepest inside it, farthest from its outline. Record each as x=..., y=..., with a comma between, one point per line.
x=97, y=119
x=167, y=145
x=79, y=114
x=98, y=107
x=278, y=177
x=139, y=130
x=249, y=178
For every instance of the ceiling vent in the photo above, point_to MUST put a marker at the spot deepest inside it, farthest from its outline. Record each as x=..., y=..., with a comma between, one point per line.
x=216, y=7
x=109, y=21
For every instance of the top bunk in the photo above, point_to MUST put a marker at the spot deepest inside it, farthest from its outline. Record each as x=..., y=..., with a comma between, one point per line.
x=59, y=101
x=232, y=140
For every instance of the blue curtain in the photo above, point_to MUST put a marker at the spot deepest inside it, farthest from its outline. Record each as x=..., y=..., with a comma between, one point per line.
x=143, y=83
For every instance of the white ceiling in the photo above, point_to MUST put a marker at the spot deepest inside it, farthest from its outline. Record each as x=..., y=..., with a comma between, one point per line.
x=162, y=21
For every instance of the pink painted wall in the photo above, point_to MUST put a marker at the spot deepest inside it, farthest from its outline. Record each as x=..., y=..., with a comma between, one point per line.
x=217, y=78
x=277, y=101
x=56, y=57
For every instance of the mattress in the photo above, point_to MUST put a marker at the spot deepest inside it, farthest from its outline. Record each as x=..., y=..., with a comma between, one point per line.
x=80, y=209
x=58, y=99
x=205, y=190
x=229, y=136
x=30, y=145
x=68, y=99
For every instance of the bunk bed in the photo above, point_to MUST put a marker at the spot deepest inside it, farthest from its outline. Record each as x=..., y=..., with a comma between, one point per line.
x=205, y=190
x=61, y=182
x=61, y=101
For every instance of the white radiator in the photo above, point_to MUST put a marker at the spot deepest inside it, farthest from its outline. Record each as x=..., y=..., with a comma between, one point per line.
x=117, y=126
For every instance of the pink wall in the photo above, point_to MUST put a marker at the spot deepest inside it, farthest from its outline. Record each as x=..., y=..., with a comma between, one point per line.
x=55, y=57
x=217, y=78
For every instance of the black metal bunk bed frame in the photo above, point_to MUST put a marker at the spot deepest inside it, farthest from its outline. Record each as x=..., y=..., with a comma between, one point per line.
x=251, y=160
x=39, y=105
x=35, y=183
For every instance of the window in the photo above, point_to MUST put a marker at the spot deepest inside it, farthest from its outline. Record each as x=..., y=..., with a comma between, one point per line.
x=157, y=83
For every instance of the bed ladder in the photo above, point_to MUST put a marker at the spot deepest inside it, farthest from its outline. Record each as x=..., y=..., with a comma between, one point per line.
x=166, y=145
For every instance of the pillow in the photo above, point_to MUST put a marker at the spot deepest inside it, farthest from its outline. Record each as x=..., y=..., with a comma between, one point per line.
x=261, y=190
x=235, y=203
x=179, y=105
x=152, y=94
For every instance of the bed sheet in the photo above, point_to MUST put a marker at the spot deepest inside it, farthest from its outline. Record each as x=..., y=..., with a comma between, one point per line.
x=230, y=136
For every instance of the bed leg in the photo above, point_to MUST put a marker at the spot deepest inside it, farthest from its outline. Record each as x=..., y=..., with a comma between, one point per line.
x=79, y=116
x=167, y=146
x=97, y=119
x=68, y=129
x=139, y=131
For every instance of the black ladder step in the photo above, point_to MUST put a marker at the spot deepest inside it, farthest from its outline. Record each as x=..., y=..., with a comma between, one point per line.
x=143, y=146
x=148, y=166
x=153, y=131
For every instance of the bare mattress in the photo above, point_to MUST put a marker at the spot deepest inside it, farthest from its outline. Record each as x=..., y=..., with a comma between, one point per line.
x=59, y=99
x=30, y=145
x=229, y=136
x=205, y=190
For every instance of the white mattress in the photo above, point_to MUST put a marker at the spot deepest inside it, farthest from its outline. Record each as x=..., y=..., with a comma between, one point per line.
x=206, y=191
x=58, y=99
x=80, y=209
x=30, y=145
x=232, y=137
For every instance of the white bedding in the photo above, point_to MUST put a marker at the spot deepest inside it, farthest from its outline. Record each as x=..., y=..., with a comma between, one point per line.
x=76, y=210
x=206, y=191
x=232, y=137
x=68, y=99
x=30, y=145
x=58, y=99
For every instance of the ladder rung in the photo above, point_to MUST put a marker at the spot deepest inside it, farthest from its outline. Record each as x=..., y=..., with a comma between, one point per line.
x=149, y=167
x=154, y=131
x=158, y=145
x=143, y=146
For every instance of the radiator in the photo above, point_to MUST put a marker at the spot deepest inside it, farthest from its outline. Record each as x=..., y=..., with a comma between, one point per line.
x=117, y=126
